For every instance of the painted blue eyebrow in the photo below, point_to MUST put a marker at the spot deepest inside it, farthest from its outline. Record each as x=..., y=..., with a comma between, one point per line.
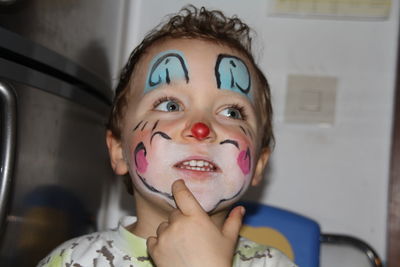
x=166, y=66
x=232, y=74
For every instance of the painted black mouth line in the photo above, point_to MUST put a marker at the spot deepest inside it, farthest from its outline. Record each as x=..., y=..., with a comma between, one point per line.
x=153, y=189
x=162, y=134
x=227, y=199
x=170, y=196
x=229, y=141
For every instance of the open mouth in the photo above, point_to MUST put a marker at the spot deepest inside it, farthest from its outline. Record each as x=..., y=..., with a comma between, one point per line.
x=197, y=165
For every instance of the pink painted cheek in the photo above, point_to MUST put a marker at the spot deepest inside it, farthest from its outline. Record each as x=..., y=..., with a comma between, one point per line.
x=243, y=161
x=141, y=161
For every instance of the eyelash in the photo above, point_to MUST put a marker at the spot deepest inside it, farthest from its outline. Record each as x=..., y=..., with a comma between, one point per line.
x=165, y=98
x=241, y=109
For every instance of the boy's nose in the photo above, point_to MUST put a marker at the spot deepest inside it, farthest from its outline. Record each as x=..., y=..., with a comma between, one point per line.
x=200, y=130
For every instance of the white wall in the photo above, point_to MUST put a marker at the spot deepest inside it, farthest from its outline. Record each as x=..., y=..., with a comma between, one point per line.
x=337, y=175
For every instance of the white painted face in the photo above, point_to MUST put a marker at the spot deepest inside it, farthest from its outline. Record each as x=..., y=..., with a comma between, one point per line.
x=191, y=116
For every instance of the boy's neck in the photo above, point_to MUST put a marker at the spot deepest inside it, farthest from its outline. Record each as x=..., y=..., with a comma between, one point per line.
x=150, y=216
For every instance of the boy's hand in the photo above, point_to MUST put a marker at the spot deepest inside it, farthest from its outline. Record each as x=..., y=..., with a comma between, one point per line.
x=190, y=238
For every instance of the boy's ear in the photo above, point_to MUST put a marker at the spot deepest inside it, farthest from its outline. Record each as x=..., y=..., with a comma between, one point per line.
x=118, y=162
x=260, y=165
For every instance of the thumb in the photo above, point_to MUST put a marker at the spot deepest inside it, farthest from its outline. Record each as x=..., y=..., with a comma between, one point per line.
x=151, y=243
x=233, y=223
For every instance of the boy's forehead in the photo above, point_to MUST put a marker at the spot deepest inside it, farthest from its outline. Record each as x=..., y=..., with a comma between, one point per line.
x=187, y=58
x=192, y=50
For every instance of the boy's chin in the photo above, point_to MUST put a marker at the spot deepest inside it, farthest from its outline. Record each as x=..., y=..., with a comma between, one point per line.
x=210, y=207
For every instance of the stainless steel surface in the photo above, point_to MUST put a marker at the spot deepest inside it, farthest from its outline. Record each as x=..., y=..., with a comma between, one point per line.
x=25, y=75
x=8, y=116
x=58, y=56
x=20, y=50
x=86, y=32
x=60, y=173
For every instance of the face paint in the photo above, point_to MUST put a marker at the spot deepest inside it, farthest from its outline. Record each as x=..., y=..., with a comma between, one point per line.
x=216, y=178
x=163, y=135
x=217, y=171
x=137, y=126
x=140, y=158
x=153, y=189
x=244, y=161
x=243, y=130
x=141, y=163
x=166, y=67
x=232, y=74
x=155, y=126
x=144, y=126
x=233, y=142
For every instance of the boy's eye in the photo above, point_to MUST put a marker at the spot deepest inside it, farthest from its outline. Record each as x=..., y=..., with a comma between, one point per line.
x=168, y=106
x=232, y=112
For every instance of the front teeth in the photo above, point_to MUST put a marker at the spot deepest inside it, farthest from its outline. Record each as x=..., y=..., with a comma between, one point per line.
x=197, y=165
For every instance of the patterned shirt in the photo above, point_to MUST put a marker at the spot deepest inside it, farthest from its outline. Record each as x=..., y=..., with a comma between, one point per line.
x=121, y=248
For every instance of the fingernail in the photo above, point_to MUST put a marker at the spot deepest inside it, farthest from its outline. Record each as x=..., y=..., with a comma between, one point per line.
x=242, y=210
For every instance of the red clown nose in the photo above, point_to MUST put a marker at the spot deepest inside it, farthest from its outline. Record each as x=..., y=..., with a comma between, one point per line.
x=200, y=130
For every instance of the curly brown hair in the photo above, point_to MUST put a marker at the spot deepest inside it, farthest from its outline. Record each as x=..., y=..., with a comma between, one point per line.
x=193, y=23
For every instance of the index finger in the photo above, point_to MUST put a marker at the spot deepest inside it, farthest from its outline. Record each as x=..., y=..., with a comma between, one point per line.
x=184, y=199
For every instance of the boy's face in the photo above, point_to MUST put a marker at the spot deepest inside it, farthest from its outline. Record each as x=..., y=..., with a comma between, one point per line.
x=191, y=116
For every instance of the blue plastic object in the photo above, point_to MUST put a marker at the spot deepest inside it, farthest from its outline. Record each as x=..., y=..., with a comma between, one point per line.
x=302, y=233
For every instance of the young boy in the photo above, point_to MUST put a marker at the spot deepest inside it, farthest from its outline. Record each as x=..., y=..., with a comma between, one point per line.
x=191, y=124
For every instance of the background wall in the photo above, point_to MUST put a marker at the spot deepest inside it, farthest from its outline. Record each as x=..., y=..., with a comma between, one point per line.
x=336, y=174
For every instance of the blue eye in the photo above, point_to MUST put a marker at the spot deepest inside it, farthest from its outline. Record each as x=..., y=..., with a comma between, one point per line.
x=232, y=112
x=168, y=106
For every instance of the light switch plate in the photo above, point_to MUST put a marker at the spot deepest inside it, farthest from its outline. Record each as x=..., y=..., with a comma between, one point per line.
x=310, y=99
